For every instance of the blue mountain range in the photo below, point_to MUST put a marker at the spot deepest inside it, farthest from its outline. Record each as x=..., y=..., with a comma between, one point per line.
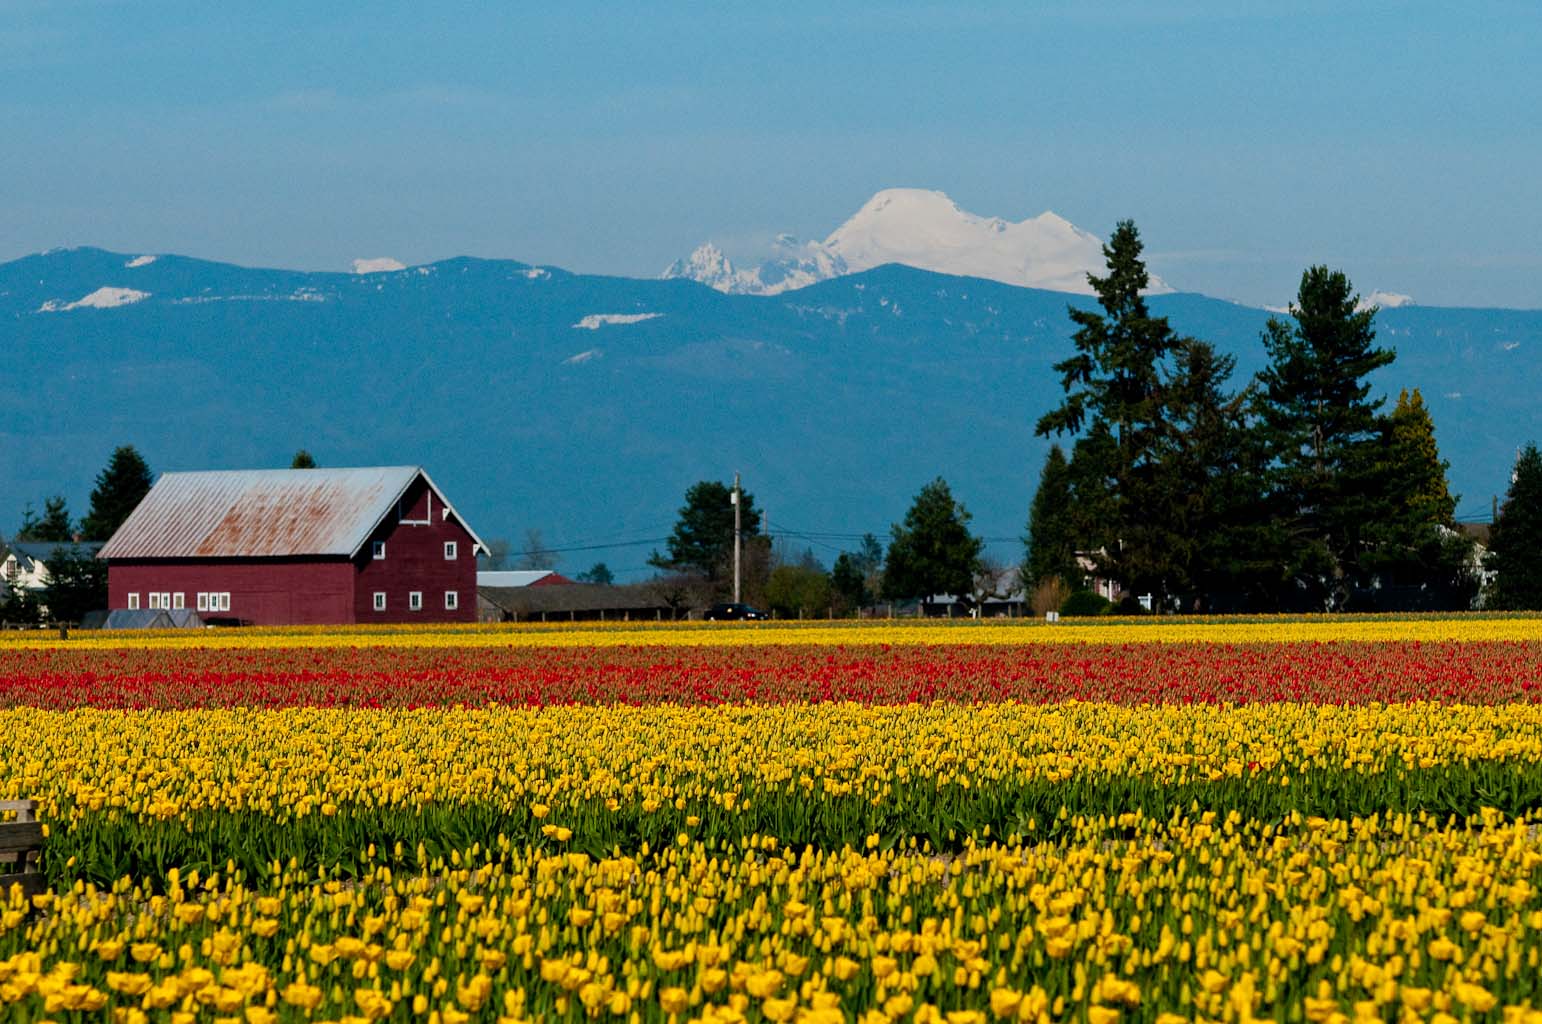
x=584, y=405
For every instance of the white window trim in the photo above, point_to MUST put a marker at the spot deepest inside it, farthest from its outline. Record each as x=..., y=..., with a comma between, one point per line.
x=451, y=600
x=377, y=551
x=380, y=601
x=415, y=601
x=133, y=602
x=451, y=551
x=203, y=601
x=179, y=600
x=224, y=602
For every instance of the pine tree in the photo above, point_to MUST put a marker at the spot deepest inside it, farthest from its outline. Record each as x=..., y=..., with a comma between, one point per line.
x=1414, y=542
x=1322, y=433
x=1515, y=546
x=1116, y=379
x=849, y=583
x=703, y=538
x=1210, y=481
x=302, y=460
x=1050, y=547
x=1094, y=511
x=120, y=487
x=932, y=551
x=53, y=526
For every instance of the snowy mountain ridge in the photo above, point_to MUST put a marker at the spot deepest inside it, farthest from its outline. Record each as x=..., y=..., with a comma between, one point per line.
x=918, y=228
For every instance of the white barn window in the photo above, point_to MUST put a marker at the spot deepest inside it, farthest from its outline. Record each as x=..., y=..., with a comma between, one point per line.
x=380, y=605
x=415, y=600
x=451, y=600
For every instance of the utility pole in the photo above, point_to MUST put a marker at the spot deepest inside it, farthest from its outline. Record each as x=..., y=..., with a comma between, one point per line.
x=738, y=506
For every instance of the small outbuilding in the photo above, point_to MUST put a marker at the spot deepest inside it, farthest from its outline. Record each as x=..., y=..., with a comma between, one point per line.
x=297, y=546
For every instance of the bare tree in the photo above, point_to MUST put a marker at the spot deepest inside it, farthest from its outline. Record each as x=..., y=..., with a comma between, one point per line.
x=992, y=582
x=535, y=554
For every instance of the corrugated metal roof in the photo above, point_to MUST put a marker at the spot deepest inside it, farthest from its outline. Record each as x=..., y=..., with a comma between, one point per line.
x=510, y=577
x=264, y=513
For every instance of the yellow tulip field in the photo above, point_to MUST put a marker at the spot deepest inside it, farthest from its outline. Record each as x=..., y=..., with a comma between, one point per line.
x=1203, y=822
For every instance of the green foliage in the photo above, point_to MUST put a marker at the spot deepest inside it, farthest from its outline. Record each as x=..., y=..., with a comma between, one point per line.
x=20, y=606
x=302, y=460
x=932, y=551
x=598, y=573
x=848, y=583
x=77, y=584
x=120, y=487
x=1119, y=382
x=798, y=590
x=1322, y=434
x=703, y=538
x=1515, y=547
x=1050, y=547
x=1083, y=603
x=53, y=526
x=1413, y=543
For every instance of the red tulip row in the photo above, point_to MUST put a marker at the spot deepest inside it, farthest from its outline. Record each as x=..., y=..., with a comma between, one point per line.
x=1340, y=673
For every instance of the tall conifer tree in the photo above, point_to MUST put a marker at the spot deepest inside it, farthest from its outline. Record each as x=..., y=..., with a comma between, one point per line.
x=120, y=487
x=1116, y=381
x=1051, y=542
x=1515, y=547
x=1322, y=432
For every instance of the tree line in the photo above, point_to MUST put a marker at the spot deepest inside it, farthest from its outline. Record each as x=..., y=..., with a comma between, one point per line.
x=77, y=580
x=1294, y=492
x=1182, y=491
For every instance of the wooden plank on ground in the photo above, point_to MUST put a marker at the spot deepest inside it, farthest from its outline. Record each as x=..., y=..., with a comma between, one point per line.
x=21, y=835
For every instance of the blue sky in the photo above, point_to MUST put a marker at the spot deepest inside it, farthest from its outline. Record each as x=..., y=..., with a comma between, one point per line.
x=1401, y=142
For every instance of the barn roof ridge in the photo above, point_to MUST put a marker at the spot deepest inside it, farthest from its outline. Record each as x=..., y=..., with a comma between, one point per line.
x=267, y=513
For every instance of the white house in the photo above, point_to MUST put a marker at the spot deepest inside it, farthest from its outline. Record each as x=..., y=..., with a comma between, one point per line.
x=25, y=566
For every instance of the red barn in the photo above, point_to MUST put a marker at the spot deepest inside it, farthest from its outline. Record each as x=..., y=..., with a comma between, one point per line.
x=297, y=546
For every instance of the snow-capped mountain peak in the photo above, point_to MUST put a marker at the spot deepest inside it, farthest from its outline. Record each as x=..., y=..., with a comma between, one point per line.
x=378, y=265
x=1386, y=300
x=920, y=228
x=708, y=265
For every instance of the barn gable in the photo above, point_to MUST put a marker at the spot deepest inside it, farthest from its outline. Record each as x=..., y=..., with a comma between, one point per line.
x=281, y=513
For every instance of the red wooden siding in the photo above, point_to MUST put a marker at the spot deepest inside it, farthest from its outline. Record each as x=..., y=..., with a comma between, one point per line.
x=414, y=561
x=323, y=588
x=264, y=592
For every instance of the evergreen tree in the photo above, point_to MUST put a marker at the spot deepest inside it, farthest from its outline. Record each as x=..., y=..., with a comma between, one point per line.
x=1050, y=547
x=53, y=526
x=932, y=551
x=1116, y=379
x=120, y=487
x=302, y=460
x=849, y=583
x=77, y=584
x=1515, y=546
x=1415, y=543
x=599, y=573
x=703, y=538
x=1322, y=435
x=1210, y=482
x=1094, y=511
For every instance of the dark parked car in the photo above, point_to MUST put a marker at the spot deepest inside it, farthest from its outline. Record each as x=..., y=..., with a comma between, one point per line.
x=727, y=612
